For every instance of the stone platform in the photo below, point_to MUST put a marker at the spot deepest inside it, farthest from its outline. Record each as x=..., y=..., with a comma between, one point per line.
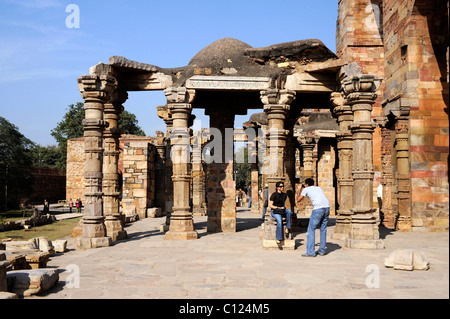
x=236, y=266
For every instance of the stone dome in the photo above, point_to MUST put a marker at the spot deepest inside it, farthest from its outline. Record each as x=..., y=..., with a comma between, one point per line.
x=226, y=52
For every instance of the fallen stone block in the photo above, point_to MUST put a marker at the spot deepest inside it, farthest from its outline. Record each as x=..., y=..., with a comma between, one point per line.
x=36, y=260
x=20, y=245
x=407, y=259
x=129, y=218
x=60, y=245
x=32, y=282
x=8, y=295
x=4, y=264
x=17, y=260
x=43, y=244
x=154, y=212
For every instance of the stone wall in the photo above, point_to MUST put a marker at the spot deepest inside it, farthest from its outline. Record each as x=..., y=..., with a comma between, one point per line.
x=416, y=64
x=359, y=38
x=138, y=174
x=406, y=42
x=48, y=183
x=136, y=164
x=75, y=169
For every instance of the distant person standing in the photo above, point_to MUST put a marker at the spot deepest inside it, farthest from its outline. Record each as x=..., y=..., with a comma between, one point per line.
x=46, y=207
x=249, y=193
x=77, y=205
x=266, y=201
x=70, y=205
x=319, y=216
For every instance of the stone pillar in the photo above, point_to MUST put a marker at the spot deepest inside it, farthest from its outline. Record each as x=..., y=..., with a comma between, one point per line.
x=254, y=175
x=181, y=222
x=113, y=218
x=160, y=171
x=404, y=222
x=308, y=144
x=165, y=114
x=198, y=175
x=95, y=91
x=387, y=210
x=359, y=94
x=289, y=165
x=345, y=153
x=276, y=105
x=221, y=184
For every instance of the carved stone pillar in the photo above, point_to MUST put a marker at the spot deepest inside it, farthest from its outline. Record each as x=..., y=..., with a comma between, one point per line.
x=221, y=185
x=113, y=218
x=254, y=174
x=276, y=105
x=160, y=171
x=289, y=165
x=387, y=210
x=345, y=180
x=198, y=175
x=165, y=114
x=181, y=222
x=359, y=94
x=404, y=222
x=307, y=143
x=95, y=91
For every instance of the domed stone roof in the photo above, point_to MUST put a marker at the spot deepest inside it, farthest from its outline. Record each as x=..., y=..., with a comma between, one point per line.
x=226, y=52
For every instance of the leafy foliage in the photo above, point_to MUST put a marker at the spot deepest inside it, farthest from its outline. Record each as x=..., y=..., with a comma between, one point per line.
x=15, y=162
x=72, y=127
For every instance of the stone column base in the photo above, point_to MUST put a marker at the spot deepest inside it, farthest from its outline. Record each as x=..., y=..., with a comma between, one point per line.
x=96, y=242
x=188, y=235
x=364, y=243
x=288, y=244
x=119, y=235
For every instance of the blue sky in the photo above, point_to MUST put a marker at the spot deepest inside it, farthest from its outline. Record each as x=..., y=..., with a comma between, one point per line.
x=41, y=58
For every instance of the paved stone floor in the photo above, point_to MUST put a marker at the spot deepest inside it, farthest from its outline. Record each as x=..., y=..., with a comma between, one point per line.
x=235, y=266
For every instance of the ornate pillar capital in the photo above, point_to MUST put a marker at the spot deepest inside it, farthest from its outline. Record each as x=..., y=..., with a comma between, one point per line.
x=96, y=87
x=179, y=95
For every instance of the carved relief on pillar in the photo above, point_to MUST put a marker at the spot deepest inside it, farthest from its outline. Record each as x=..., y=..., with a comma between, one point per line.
x=308, y=144
x=387, y=214
x=113, y=218
x=96, y=91
x=358, y=91
x=276, y=105
x=344, y=115
x=179, y=103
x=404, y=222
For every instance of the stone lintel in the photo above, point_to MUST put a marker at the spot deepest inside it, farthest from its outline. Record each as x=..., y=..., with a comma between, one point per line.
x=228, y=83
x=311, y=82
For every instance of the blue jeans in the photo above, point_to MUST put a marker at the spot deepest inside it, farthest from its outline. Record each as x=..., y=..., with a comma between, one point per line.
x=279, y=219
x=319, y=217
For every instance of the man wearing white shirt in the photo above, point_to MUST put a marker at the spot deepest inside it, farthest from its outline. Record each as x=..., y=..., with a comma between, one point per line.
x=319, y=216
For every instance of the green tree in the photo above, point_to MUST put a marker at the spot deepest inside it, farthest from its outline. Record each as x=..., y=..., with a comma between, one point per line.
x=48, y=156
x=15, y=163
x=72, y=127
x=242, y=169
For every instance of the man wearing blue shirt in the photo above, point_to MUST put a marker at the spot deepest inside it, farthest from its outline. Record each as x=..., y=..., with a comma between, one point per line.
x=319, y=216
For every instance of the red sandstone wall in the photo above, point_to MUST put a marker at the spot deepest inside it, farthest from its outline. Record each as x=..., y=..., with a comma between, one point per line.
x=416, y=44
x=359, y=38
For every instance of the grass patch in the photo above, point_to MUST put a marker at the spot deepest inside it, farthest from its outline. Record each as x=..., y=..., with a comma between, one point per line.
x=53, y=231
